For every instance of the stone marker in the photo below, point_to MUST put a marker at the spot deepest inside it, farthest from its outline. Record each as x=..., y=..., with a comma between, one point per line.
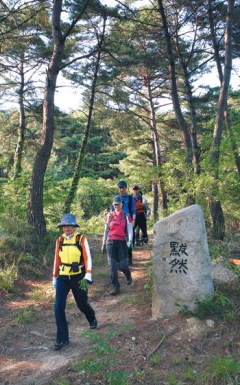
x=181, y=262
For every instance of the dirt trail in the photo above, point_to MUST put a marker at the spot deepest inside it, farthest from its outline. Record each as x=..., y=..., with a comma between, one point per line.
x=26, y=353
x=152, y=350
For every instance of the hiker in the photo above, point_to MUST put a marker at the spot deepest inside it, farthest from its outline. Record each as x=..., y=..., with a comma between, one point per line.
x=141, y=220
x=117, y=238
x=128, y=208
x=72, y=267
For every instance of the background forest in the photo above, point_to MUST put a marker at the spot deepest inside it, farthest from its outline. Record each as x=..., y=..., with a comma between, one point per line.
x=144, y=117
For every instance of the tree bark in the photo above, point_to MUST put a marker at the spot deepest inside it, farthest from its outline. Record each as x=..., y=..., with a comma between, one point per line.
x=218, y=222
x=222, y=101
x=193, y=113
x=215, y=205
x=156, y=149
x=35, y=205
x=174, y=92
x=220, y=74
x=21, y=128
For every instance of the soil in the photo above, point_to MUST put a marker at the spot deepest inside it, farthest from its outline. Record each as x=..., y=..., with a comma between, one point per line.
x=168, y=351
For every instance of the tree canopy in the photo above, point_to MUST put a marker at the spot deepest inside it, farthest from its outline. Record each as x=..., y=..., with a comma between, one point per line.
x=143, y=117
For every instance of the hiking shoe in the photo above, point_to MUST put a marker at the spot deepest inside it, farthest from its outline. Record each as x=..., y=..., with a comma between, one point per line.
x=59, y=345
x=129, y=279
x=93, y=324
x=145, y=244
x=114, y=291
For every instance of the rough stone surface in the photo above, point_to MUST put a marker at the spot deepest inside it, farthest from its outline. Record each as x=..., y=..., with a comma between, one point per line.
x=181, y=263
x=223, y=276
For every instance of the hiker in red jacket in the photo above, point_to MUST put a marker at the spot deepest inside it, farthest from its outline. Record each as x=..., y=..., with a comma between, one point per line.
x=117, y=238
x=72, y=265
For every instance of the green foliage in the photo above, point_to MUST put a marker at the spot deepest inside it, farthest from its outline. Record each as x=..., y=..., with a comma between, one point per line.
x=83, y=285
x=21, y=252
x=220, y=371
x=148, y=284
x=154, y=360
x=211, y=306
x=14, y=197
x=25, y=315
x=94, y=196
x=172, y=379
x=8, y=274
x=190, y=374
x=217, y=305
x=217, y=250
x=101, y=361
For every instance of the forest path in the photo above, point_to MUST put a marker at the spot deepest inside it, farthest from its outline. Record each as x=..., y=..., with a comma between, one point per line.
x=26, y=353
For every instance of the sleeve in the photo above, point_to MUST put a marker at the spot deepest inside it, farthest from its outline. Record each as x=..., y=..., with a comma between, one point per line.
x=129, y=228
x=106, y=229
x=144, y=200
x=57, y=260
x=133, y=206
x=86, y=255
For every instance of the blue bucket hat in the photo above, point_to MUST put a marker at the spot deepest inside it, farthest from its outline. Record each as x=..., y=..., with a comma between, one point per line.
x=68, y=220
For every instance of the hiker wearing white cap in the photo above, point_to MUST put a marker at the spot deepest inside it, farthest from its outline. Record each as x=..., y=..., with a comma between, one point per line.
x=117, y=238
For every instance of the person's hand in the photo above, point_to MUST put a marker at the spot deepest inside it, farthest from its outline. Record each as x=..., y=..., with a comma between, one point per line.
x=54, y=282
x=130, y=244
x=88, y=277
x=103, y=249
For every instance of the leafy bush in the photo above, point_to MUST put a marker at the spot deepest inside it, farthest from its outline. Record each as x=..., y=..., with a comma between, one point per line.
x=211, y=306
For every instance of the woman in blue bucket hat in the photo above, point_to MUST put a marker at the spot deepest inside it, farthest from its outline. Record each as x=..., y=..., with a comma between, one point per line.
x=72, y=264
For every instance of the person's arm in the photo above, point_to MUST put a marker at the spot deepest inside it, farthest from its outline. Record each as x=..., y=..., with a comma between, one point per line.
x=105, y=234
x=129, y=228
x=86, y=255
x=57, y=263
x=144, y=201
x=106, y=229
x=87, y=259
x=57, y=260
x=133, y=211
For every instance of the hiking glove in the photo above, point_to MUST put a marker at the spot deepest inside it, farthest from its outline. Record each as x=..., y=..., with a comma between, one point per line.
x=130, y=244
x=88, y=277
x=54, y=282
x=103, y=249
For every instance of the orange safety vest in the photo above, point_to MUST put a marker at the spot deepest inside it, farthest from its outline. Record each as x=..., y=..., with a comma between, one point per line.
x=139, y=207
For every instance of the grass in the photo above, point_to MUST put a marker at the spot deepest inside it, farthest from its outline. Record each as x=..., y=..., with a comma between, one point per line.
x=8, y=275
x=25, y=315
x=219, y=371
x=133, y=299
x=100, y=362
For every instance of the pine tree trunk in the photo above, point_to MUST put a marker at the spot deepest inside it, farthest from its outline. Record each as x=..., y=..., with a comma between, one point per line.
x=35, y=205
x=218, y=223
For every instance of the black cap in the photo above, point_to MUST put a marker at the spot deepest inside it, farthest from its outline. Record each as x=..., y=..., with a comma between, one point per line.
x=136, y=187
